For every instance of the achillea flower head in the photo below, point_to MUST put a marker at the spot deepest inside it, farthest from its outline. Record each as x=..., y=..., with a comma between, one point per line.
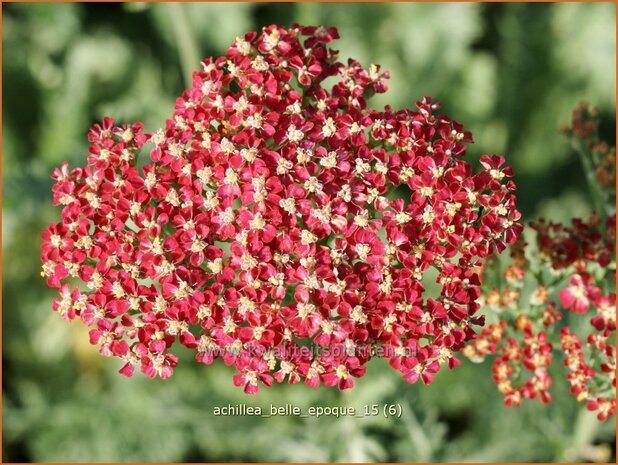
x=580, y=259
x=265, y=221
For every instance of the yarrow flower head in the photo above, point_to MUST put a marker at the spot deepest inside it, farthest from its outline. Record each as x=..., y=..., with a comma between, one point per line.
x=266, y=221
x=567, y=274
x=579, y=264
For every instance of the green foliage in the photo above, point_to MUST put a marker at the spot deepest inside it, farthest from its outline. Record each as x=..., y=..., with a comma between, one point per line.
x=510, y=72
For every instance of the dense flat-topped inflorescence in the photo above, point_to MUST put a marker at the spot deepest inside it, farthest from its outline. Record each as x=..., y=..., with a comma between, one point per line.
x=279, y=225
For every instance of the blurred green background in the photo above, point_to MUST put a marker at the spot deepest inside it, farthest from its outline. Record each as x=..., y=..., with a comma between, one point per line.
x=510, y=72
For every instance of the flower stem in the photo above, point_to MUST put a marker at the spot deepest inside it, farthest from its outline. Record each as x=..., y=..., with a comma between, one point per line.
x=598, y=197
x=187, y=47
x=586, y=426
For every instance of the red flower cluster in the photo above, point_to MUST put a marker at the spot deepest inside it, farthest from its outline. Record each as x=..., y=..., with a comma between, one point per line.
x=569, y=269
x=581, y=268
x=584, y=129
x=586, y=382
x=486, y=343
x=586, y=250
x=533, y=355
x=585, y=241
x=267, y=220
